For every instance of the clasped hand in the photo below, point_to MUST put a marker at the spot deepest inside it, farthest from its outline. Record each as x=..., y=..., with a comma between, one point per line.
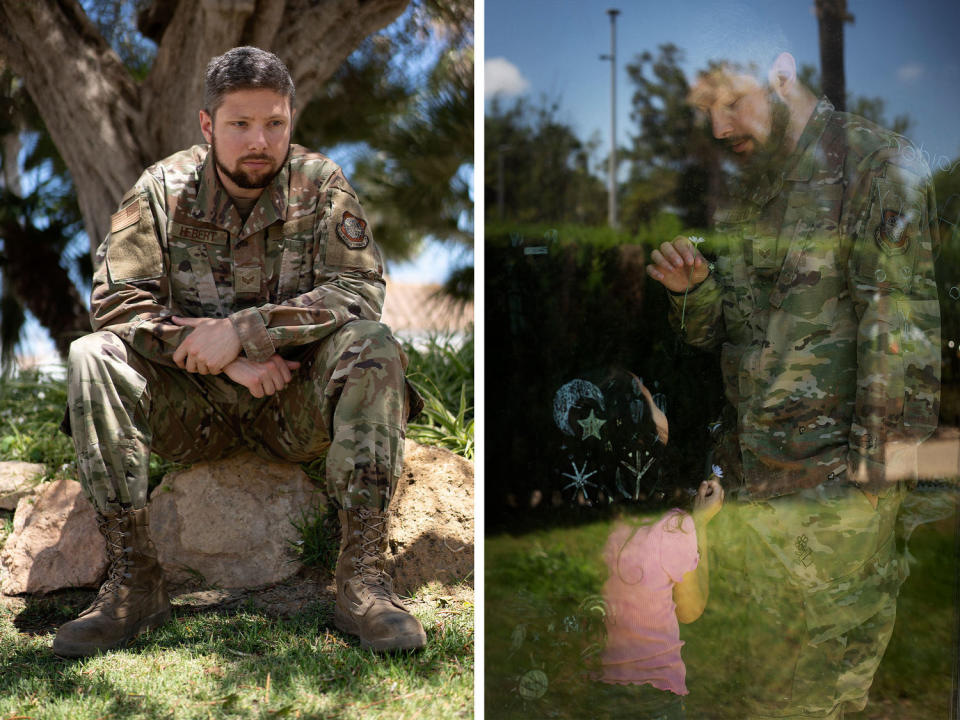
x=261, y=378
x=211, y=346
x=214, y=347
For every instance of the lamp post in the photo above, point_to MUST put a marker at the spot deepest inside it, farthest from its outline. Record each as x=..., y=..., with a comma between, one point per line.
x=612, y=57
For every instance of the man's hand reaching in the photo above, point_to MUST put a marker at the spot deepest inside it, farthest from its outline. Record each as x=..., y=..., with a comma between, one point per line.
x=672, y=264
x=264, y=378
x=211, y=346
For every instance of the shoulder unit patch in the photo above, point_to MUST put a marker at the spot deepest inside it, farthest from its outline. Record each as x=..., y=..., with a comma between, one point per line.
x=353, y=231
x=893, y=232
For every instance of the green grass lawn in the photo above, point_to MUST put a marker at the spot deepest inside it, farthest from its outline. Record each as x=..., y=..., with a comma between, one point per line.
x=543, y=629
x=238, y=665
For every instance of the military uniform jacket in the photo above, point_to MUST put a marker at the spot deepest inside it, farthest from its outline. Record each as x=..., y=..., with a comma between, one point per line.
x=824, y=305
x=303, y=264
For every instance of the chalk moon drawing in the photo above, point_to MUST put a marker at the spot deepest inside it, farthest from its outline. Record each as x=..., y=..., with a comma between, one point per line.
x=567, y=396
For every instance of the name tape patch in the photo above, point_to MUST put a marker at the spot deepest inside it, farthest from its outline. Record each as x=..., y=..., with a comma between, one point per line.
x=199, y=234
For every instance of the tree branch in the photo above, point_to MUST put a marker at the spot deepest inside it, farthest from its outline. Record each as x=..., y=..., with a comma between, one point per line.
x=85, y=96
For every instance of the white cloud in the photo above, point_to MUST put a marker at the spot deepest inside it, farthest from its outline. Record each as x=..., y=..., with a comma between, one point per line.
x=910, y=72
x=502, y=76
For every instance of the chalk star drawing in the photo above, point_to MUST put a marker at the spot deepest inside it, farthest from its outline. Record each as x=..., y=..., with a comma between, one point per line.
x=579, y=478
x=636, y=470
x=591, y=426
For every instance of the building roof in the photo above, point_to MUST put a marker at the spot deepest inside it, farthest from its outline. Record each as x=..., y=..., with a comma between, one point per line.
x=419, y=308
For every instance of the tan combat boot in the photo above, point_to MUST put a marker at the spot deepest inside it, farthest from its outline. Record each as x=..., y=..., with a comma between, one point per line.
x=131, y=601
x=366, y=604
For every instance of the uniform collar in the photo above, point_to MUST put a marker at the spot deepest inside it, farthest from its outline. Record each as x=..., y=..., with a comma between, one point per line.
x=803, y=160
x=213, y=204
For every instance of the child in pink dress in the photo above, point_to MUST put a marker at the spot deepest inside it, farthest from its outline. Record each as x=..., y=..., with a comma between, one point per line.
x=658, y=575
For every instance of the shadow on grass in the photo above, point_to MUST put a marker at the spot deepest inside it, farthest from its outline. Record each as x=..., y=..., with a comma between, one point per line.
x=43, y=614
x=224, y=663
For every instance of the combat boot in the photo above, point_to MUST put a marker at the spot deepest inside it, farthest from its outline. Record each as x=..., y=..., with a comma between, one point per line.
x=131, y=601
x=366, y=604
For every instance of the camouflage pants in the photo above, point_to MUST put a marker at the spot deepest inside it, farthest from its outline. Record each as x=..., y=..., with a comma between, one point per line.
x=819, y=574
x=348, y=397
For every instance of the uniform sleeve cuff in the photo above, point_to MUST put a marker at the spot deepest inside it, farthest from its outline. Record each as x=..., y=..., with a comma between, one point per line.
x=677, y=297
x=257, y=345
x=867, y=474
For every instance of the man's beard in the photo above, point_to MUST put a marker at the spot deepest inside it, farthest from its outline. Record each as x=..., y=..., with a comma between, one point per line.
x=768, y=157
x=241, y=178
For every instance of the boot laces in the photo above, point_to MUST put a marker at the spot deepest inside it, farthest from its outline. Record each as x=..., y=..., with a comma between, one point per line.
x=118, y=554
x=368, y=563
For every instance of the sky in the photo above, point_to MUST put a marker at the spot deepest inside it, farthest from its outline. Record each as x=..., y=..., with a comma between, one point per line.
x=908, y=55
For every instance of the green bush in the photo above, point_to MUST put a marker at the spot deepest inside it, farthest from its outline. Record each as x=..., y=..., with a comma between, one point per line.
x=442, y=372
x=31, y=410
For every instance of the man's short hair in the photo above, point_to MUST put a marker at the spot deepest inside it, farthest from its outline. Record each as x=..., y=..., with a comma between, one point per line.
x=244, y=68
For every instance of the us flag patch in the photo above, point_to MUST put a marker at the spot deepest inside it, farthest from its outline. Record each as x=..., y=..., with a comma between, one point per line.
x=125, y=217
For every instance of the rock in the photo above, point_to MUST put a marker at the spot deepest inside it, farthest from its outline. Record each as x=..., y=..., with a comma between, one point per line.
x=431, y=519
x=229, y=521
x=18, y=479
x=54, y=544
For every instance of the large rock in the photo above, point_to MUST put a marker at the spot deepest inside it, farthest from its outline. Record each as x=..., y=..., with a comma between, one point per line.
x=54, y=544
x=230, y=521
x=432, y=519
x=18, y=479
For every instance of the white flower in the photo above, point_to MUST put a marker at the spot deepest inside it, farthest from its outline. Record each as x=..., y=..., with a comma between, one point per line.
x=718, y=471
x=695, y=240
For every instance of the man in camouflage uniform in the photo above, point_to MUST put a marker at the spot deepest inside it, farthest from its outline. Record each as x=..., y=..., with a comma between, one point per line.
x=824, y=306
x=236, y=303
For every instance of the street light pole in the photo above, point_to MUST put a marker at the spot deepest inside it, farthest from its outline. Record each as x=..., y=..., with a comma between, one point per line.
x=612, y=57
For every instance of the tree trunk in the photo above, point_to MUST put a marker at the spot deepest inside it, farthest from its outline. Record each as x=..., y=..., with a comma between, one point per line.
x=57, y=305
x=831, y=15
x=11, y=167
x=108, y=128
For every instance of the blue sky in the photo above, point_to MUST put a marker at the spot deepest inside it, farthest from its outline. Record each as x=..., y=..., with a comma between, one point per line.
x=908, y=55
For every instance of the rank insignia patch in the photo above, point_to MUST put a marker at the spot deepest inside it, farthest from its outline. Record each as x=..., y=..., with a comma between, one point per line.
x=892, y=234
x=352, y=230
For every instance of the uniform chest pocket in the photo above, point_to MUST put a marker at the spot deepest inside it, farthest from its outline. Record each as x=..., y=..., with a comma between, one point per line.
x=812, y=289
x=812, y=282
x=295, y=272
x=192, y=283
x=737, y=300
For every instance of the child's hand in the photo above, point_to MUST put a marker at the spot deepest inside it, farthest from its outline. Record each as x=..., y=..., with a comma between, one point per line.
x=708, y=502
